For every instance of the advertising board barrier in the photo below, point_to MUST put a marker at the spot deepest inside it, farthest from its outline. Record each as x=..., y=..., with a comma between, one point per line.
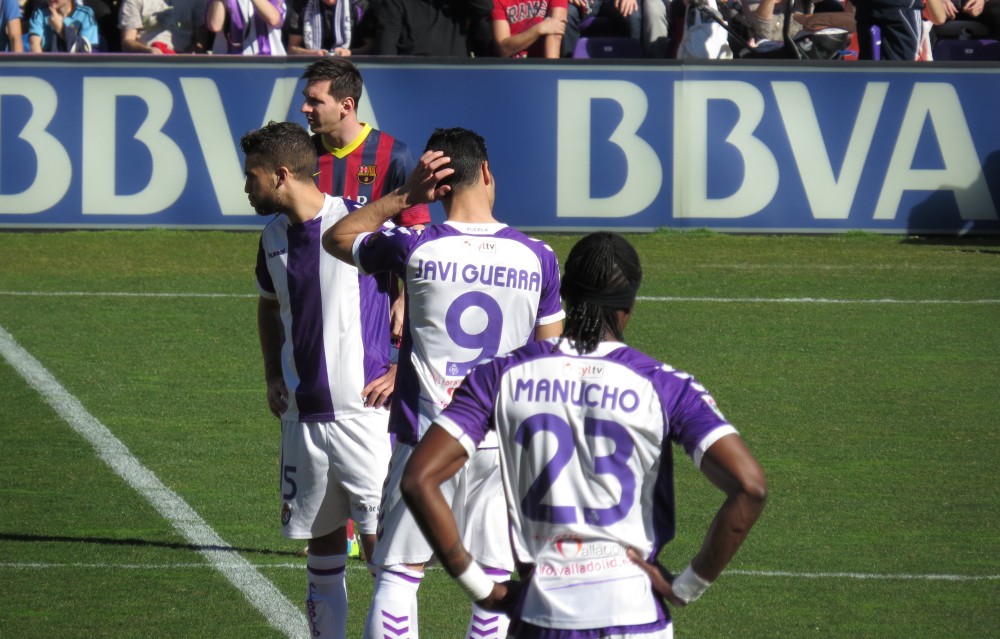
x=121, y=141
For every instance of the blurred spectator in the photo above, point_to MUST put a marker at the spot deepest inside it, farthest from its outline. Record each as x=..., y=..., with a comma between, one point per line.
x=163, y=26
x=767, y=18
x=828, y=14
x=11, y=34
x=246, y=27
x=900, y=25
x=430, y=27
x=106, y=15
x=63, y=26
x=984, y=12
x=529, y=29
x=656, y=28
x=601, y=17
x=324, y=27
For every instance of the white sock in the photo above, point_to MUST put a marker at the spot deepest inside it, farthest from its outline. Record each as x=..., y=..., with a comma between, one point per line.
x=487, y=624
x=393, y=612
x=326, y=597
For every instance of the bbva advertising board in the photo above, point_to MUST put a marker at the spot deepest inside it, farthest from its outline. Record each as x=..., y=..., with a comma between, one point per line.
x=127, y=142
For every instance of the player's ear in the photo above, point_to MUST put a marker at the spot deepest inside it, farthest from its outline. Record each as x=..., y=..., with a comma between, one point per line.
x=487, y=175
x=282, y=175
x=349, y=104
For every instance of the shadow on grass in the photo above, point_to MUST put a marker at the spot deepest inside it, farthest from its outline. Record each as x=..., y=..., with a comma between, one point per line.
x=966, y=244
x=107, y=541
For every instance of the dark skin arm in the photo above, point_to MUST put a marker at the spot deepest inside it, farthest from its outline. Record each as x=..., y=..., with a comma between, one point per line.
x=731, y=467
x=436, y=459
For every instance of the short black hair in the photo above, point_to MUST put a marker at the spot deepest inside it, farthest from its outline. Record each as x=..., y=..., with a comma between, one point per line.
x=601, y=276
x=345, y=79
x=279, y=144
x=467, y=150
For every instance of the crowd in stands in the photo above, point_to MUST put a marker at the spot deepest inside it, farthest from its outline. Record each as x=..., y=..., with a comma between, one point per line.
x=491, y=28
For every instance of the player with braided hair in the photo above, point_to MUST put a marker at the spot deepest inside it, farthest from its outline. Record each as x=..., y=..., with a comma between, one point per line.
x=585, y=425
x=606, y=277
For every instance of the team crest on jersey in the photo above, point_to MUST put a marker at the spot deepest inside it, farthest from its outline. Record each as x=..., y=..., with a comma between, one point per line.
x=367, y=173
x=286, y=514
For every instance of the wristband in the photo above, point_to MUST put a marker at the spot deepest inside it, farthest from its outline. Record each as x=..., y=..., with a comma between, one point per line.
x=688, y=586
x=475, y=583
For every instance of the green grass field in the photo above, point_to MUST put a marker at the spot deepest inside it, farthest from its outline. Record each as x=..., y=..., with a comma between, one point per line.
x=862, y=371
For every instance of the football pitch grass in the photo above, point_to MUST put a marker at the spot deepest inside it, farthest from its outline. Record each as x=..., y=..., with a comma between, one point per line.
x=139, y=464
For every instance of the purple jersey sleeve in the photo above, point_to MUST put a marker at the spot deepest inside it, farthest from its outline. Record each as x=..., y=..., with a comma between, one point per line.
x=471, y=407
x=549, y=304
x=386, y=250
x=693, y=414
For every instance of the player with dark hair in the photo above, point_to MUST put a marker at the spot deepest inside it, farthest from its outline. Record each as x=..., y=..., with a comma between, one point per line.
x=475, y=288
x=324, y=335
x=356, y=161
x=585, y=425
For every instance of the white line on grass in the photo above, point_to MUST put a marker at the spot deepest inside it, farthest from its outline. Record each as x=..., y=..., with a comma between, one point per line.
x=120, y=294
x=258, y=590
x=358, y=566
x=641, y=298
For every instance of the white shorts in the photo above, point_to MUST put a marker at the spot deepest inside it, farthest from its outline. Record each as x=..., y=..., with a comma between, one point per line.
x=531, y=632
x=332, y=472
x=481, y=510
x=475, y=494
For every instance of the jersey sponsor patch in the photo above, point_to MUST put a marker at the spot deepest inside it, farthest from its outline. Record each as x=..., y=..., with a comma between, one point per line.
x=367, y=173
x=583, y=370
x=711, y=404
x=286, y=514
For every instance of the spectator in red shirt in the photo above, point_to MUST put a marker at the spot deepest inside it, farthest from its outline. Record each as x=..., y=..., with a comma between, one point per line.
x=529, y=28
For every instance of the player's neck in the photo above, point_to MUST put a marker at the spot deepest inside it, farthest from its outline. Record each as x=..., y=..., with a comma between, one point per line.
x=305, y=206
x=345, y=134
x=471, y=207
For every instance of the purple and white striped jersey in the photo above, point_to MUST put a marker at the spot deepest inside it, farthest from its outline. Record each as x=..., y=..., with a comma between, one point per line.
x=473, y=291
x=588, y=472
x=336, y=320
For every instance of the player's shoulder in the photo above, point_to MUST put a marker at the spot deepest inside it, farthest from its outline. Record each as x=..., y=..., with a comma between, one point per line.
x=278, y=225
x=643, y=363
x=517, y=235
x=539, y=249
x=530, y=352
x=396, y=145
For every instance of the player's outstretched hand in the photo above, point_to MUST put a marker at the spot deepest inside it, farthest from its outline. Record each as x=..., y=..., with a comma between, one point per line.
x=422, y=186
x=277, y=397
x=659, y=576
x=379, y=390
x=503, y=596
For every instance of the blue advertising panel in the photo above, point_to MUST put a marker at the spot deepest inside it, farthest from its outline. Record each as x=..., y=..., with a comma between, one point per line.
x=126, y=142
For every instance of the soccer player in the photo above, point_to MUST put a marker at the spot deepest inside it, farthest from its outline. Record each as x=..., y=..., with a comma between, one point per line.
x=585, y=425
x=356, y=161
x=324, y=334
x=475, y=288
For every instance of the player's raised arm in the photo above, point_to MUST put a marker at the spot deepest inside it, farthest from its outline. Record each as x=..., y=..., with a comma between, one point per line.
x=420, y=188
